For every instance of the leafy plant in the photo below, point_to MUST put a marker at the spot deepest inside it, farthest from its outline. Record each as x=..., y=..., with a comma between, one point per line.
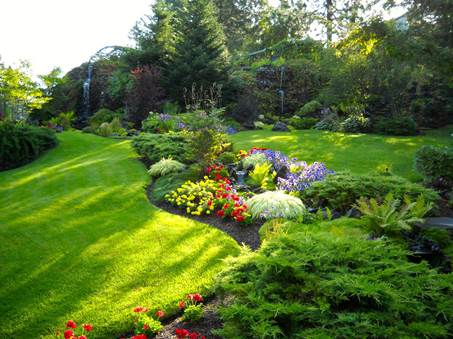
x=105, y=130
x=302, y=123
x=254, y=159
x=207, y=144
x=262, y=176
x=64, y=119
x=165, y=166
x=356, y=123
x=397, y=125
x=274, y=205
x=310, y=108
x=435, y=164
x=329, y=123
x=340, y=191
x=227, y=158
x=391, y=217
x=21, y=143
x=329, y=281
x=193, y=312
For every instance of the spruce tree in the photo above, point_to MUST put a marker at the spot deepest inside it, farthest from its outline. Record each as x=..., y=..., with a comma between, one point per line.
x=201, y=56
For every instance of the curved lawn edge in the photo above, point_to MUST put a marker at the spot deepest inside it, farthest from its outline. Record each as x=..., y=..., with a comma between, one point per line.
x=81, y=241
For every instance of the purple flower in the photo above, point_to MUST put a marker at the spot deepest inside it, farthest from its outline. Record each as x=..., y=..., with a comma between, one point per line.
x=164, y=117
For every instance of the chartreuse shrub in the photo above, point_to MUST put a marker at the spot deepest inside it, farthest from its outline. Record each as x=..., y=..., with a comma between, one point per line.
x=165, y=166
x=329, y=281
x=157, y=146
x=435, y=163
x=20, y=143
x=262, y=176
x=392, y=216
x=341, y=190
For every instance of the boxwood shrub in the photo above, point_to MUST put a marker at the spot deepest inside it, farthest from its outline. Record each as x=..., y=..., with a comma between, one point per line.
x=330, y=281
x=341, y=190
x=21, y=143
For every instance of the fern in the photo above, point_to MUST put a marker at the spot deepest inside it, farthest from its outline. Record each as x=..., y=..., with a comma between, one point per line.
x=165, y=166
x=391, y=216
x=275, y=204
x=262, y=177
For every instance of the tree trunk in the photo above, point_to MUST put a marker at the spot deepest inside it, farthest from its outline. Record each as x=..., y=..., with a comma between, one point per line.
x=329, y=20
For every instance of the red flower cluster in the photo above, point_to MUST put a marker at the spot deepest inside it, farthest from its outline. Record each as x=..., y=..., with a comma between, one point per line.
x=140, y=309
x=230, y=203
x=160, y=314
x=253, y=149
x=191, y=299
x=69, y=334
x=140, y=336
x=195, y=297
x=183, y=333
x=217, y=172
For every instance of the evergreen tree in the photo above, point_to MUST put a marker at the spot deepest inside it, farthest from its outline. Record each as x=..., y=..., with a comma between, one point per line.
x=201, y=56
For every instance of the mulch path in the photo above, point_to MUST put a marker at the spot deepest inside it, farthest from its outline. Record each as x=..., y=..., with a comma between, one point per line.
x=243, y=233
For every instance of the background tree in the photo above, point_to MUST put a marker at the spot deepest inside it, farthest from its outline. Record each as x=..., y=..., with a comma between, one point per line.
x=201, y=56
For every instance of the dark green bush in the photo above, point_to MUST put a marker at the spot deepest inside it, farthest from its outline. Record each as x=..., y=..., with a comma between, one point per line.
x=341, y=190
x=329, y=281
x=397, y=125
x=101, y=116
x=20, y=144
x=435, y=163
x=157, y=146
x=302, y=123
x=227, y=158
x=356, y=124
x=310, y=108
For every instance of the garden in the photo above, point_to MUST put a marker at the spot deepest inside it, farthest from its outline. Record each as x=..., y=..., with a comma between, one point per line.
x=271, y=185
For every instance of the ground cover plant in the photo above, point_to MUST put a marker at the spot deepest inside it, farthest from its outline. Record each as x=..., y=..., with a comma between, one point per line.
x=358, y=153
x=331, y=280
x=81, y=241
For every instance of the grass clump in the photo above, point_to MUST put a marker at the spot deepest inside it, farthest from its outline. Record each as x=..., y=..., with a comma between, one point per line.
x=275, y=204
x=166, y=166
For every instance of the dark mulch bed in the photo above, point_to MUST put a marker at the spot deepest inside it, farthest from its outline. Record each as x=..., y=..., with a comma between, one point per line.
x=204, y=326
x=243, y=233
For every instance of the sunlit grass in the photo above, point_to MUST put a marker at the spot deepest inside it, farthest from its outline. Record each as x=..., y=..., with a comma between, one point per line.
x=80, y=240
x=359, y=153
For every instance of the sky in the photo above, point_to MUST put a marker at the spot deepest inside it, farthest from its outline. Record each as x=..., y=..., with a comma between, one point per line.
x=65, y=33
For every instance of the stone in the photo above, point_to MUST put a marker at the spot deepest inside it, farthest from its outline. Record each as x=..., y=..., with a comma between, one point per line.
x=280, y=127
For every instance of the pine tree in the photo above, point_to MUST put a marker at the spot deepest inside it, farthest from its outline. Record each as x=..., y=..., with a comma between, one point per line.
x=201, y=57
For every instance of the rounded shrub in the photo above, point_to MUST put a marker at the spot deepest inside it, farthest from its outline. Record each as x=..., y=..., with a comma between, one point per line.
x=435, y=163
x=165, y=166
x=275, y=204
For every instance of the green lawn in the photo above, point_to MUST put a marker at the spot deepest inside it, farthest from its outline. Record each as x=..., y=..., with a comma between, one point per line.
x=79, y=240
x=359, y=153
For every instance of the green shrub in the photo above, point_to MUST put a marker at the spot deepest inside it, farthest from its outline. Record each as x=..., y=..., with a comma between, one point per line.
x=153, y=326
x=159, y=123
x=64, y=120
x=275, y=204
x=302, y=123
x=435, y=163
x=391, y=217
x=165, y=166
x=341, y=190
x=261, y=176
x=397, y=125
x=153, y=147
x=329, y=123
x=356, y=124
x=101, y=116
x=254, y=159
x=193, y=312
x=105, y=130
x=227, y=158
x=20, y=143
x=310, y=108
x=329, y=281
x=207, y=144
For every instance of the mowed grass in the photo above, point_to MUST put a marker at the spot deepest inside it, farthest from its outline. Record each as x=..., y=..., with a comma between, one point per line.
x=79, y=240
x=358, y=153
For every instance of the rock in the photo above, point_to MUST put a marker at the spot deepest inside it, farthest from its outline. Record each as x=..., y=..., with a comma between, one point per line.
x=280, y=127
x=353, y=213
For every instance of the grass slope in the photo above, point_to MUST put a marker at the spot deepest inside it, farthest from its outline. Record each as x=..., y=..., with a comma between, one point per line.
x=79, y=240
x=359, y=153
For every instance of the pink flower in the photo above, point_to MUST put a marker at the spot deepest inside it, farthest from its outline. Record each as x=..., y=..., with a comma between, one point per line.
x=160, y=314
x=71, y=324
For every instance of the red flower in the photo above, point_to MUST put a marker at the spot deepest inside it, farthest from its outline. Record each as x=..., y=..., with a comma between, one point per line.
x=181, y=333
x=140, y=336
x=83, y=337
x=218, y=176
x=68, y=334
x=220, y=213
x=197, y=297
x=140, y=309
x=193, y=335
x=71, y=324
x=160, y=314
x=87, y=327
x=208, y=170
x=240, y=218
x=145, y=327
x=226, y=206
x=209, y=203
x=224, y=195
x=181, y=305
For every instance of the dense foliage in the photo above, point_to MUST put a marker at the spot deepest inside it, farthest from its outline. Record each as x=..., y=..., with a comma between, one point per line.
x=329, y=281
x=435, y=164
x=20, y=144
x=341, y=190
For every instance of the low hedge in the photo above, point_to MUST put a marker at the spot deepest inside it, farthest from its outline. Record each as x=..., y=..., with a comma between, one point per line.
x=21, y=143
